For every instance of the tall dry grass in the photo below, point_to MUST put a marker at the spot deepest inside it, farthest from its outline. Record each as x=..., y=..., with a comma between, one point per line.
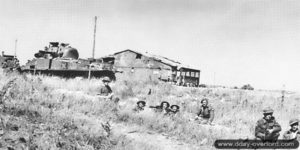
x=65, y=113
x=44, y=118
x=237, y=111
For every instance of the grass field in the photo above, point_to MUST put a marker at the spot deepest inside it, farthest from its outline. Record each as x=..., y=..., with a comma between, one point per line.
x=42, y=112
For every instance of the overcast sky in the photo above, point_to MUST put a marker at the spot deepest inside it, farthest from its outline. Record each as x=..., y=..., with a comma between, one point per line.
x=240, y=41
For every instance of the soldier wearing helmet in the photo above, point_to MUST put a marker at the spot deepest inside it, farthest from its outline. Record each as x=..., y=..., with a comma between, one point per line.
x=140, y=106
x=206, y=113
x=4, y=64
x=267, y=128
x=105, y=90
x=293, y=133
x=163, y=107
x=174, y=110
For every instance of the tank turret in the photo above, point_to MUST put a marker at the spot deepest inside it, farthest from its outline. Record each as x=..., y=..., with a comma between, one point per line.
x=70, y=53
x=56, y=50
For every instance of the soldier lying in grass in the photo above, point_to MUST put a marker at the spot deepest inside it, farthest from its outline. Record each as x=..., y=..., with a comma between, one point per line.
x=140, y=106
x=174, y=110
x=163, y=108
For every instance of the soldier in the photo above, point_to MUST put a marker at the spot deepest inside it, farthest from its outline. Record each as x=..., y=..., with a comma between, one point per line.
x=106, y=92
x=140, y=106
x=4, y=64
x=164, y=107
x=46, y=48
x=174, y=109
x=206, y=114
x=267, y=128
x=293, y=133
x=16, y=63
x=179, y=80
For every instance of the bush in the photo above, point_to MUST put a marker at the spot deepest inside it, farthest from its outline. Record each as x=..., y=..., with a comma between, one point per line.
x=247, y=87
x=203, y=85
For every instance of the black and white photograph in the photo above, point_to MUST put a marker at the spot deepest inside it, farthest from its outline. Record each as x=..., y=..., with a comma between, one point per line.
x=149, y=74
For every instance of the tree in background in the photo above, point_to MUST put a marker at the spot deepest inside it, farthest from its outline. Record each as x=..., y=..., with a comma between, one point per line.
x=247, y=87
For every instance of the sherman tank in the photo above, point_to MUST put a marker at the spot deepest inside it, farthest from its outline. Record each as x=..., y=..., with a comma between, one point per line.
x=60, y=59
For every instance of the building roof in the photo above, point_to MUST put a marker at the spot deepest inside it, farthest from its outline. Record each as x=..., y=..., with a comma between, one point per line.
x=162, y=59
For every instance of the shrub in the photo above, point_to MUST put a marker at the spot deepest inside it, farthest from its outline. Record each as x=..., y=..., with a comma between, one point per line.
x=247, y=87
x=203, y=85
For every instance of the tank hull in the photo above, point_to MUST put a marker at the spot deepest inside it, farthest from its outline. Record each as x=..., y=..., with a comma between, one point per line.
x=72, y=73
x=68, y=68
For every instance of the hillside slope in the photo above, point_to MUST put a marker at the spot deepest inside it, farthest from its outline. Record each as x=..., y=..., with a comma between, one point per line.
x=50, y=112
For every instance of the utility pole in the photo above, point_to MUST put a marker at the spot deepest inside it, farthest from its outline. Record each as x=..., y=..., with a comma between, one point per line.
x=283, y=93
x=214, y=79
x=16, y=41
x=94, y=43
